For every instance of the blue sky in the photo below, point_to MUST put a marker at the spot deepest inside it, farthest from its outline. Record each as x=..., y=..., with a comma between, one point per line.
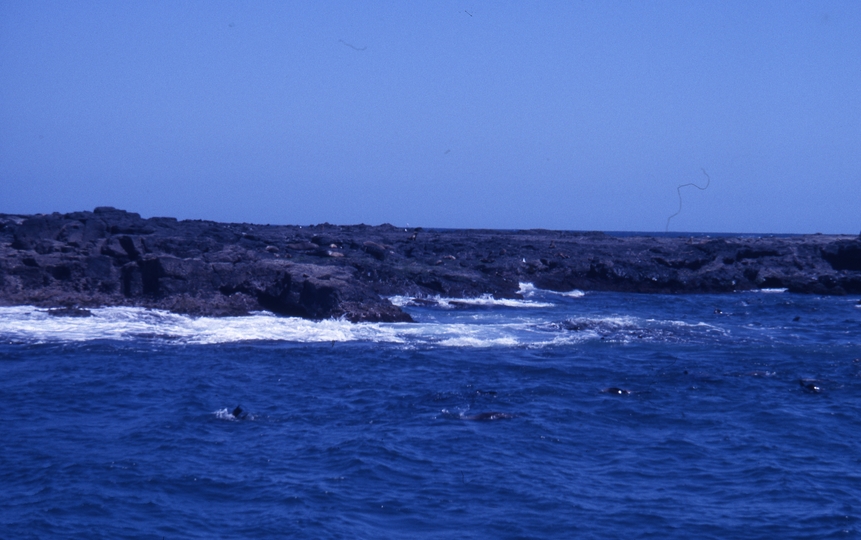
x=558, y=115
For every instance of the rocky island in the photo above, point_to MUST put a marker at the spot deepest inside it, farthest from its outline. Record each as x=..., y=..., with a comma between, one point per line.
x=111, y=257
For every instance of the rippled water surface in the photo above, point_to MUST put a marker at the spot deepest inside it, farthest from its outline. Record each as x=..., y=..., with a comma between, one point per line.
x=561, y=416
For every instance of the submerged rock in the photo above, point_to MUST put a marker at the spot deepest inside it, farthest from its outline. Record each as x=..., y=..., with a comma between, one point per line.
x=70, y=312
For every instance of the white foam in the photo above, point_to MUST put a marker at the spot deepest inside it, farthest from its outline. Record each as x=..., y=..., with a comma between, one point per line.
x=469, y=341
x=616, y=322
x=123, y=323
x=224, y=414
x=488, y=300
x=463, y=328
x=573, y=294
x=485, y=300
x=772, y=291
x=400, y=301
x=700, y=324
x=528, y=290
x=455, y=329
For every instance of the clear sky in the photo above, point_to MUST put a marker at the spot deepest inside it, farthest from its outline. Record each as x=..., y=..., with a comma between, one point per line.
x=559, y=115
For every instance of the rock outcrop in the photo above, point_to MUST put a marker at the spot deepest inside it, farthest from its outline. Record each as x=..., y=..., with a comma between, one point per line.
x=112, y=257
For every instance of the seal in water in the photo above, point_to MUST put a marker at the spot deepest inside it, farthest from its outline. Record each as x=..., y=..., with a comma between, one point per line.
x=238, y=413
x=616, y=391
x=487, y=416
x=810, y=385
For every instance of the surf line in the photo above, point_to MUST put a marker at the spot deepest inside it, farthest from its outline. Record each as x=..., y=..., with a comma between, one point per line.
x=679, y=191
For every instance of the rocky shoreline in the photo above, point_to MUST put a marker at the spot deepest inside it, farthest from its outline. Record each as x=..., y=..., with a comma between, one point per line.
x=110, y=257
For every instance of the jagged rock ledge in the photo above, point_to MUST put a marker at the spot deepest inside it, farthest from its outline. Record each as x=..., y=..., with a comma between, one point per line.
x=110, y=257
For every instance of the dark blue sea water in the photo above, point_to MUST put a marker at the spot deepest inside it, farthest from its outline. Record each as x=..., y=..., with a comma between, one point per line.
x=743, y=420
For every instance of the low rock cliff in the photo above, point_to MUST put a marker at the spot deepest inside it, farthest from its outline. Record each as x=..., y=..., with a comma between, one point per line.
x=110, y=257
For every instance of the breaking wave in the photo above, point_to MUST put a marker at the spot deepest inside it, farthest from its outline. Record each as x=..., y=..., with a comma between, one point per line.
x=463, y=329
x=539, y=319
x=460, y=303
x=526, y=290
x=30, y=324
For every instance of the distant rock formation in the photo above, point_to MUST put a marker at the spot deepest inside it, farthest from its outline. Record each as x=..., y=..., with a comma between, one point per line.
x=110, y=257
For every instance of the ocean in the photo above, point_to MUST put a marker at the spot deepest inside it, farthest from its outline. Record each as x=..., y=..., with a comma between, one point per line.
x=577, y=415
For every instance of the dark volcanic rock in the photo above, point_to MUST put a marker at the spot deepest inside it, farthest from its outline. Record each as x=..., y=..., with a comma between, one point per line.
x=844, y=255
x=69, y=312
x=111, y=257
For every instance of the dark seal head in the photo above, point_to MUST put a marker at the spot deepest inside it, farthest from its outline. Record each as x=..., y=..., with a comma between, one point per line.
x=488, y=416
x=810, y=385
